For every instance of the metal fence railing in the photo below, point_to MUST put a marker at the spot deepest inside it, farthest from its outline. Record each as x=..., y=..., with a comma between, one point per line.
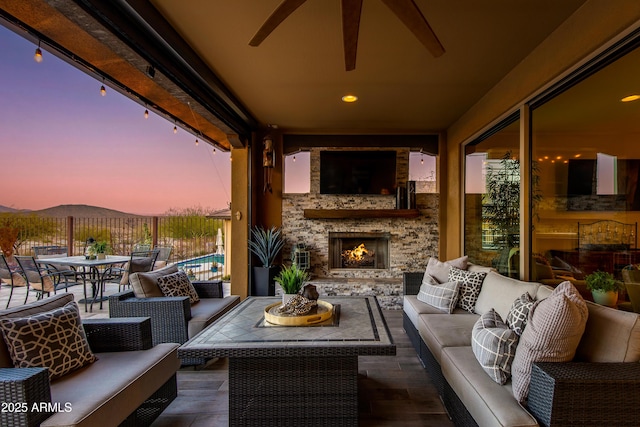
x=188, y=236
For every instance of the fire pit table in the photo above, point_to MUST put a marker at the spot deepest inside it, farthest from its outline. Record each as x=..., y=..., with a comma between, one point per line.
x=294, y=375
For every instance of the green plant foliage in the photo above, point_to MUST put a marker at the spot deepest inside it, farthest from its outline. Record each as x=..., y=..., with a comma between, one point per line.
x=292, y=279
x=266, y=244
x=101, y=247
x=188, y=224
x=602, y=281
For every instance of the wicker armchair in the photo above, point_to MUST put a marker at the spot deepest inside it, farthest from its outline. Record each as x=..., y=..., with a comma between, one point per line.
x=173, y=319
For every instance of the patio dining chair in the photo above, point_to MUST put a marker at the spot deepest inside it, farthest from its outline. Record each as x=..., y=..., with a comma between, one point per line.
x=9, y=276
x=141, y=261
x=40, y=277
x=43, y=252
x=164, y=252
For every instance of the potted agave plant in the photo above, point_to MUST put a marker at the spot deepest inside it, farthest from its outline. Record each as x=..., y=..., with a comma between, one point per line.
x=266, y=244
x=604, y=287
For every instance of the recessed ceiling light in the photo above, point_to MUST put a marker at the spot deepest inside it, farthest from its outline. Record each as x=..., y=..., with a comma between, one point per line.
x=630, y=98
x=349, y=98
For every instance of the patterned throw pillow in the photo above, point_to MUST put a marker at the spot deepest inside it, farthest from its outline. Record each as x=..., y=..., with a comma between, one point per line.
x=52, y=339
x=553, y=332
x=178, y=285
x=441, y=296
x=494, y=346
x=470, y=285
x=517, y=317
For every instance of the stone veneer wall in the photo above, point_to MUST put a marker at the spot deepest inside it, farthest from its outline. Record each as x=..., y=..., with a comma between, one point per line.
x=412, y=239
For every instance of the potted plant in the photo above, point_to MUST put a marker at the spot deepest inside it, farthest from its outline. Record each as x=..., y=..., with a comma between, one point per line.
x=266, y=244
x=100, y=248
x=604, y=287
x=291, y=279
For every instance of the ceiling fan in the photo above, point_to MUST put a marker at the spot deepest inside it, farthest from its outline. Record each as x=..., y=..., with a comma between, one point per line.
x=406, y=10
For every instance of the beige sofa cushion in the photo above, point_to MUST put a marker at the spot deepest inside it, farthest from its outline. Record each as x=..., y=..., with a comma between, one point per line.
x=499, y=292
x=105, y=392
x=413, y=308
x=444, y=330
x=489, y=403
x=553, y=333
x=145, y=285
x=610, y=336
x=209, y=310
x=439, y=270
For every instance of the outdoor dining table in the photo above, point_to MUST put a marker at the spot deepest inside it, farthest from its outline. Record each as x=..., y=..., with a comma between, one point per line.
x=91, y=269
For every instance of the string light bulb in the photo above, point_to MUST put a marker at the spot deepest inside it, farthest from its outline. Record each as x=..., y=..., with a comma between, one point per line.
x=103, y=90
x=294, y=157
x=146, y=114
x=422, y=159
x=38, y=55
x=175, y=130
x=214, y=151
x=197, y=142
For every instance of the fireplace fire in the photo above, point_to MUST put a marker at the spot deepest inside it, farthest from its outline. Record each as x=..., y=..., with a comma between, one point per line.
x=358, y=257
x=359, y=250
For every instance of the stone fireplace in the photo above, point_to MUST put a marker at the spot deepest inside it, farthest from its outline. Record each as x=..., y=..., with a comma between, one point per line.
x=359, y=250
x=401, y=243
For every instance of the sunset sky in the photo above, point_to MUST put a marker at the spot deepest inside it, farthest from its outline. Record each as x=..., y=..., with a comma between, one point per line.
x=63, y=143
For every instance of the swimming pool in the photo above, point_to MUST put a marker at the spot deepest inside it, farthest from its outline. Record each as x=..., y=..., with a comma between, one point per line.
x=202, y=264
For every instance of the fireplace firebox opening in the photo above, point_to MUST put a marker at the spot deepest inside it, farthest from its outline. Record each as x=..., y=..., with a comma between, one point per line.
x=359, y=250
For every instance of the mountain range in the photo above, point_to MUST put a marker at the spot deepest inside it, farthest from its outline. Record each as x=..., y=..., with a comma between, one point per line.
x=80, y=211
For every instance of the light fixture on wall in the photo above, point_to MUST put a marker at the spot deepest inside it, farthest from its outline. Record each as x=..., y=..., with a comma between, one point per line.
x=38, y=55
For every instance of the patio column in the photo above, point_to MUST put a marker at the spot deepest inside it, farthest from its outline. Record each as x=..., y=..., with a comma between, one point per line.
x=239, y=221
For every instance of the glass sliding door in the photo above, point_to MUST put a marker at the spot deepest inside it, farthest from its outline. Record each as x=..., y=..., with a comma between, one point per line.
x=492, y=199
x=585, y=143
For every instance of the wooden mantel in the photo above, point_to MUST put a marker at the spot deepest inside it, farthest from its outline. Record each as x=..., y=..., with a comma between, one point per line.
x=360, y=213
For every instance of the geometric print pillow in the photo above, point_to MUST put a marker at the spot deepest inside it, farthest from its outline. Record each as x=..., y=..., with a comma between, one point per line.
x=441, y=296
x=470, y=285
x=517, y=317
x=178, y=285
x=53, y=339
x=494, y=346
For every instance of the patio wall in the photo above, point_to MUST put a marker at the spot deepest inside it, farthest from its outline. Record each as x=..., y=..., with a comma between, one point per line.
x=412, y=239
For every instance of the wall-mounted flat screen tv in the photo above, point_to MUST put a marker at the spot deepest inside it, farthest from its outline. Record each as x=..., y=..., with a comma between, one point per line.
x=357, y=172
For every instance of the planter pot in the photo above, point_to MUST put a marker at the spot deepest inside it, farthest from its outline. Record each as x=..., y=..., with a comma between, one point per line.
x=101, y=256
x=263, y=281
x=610, y=299
x=287, y=297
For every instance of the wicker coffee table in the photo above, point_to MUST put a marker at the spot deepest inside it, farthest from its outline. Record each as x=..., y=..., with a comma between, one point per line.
x=294, y=375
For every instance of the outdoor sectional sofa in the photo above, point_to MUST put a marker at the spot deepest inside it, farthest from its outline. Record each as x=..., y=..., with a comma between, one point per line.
x=130, y=383
x=173, y=318
x=600, y=386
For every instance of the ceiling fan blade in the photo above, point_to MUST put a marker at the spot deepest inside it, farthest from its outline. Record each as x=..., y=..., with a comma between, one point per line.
x=286, y=8
x=351, y=10
x=410, y=15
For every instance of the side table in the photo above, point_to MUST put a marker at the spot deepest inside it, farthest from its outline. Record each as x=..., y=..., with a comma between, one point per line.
x=20, y=390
